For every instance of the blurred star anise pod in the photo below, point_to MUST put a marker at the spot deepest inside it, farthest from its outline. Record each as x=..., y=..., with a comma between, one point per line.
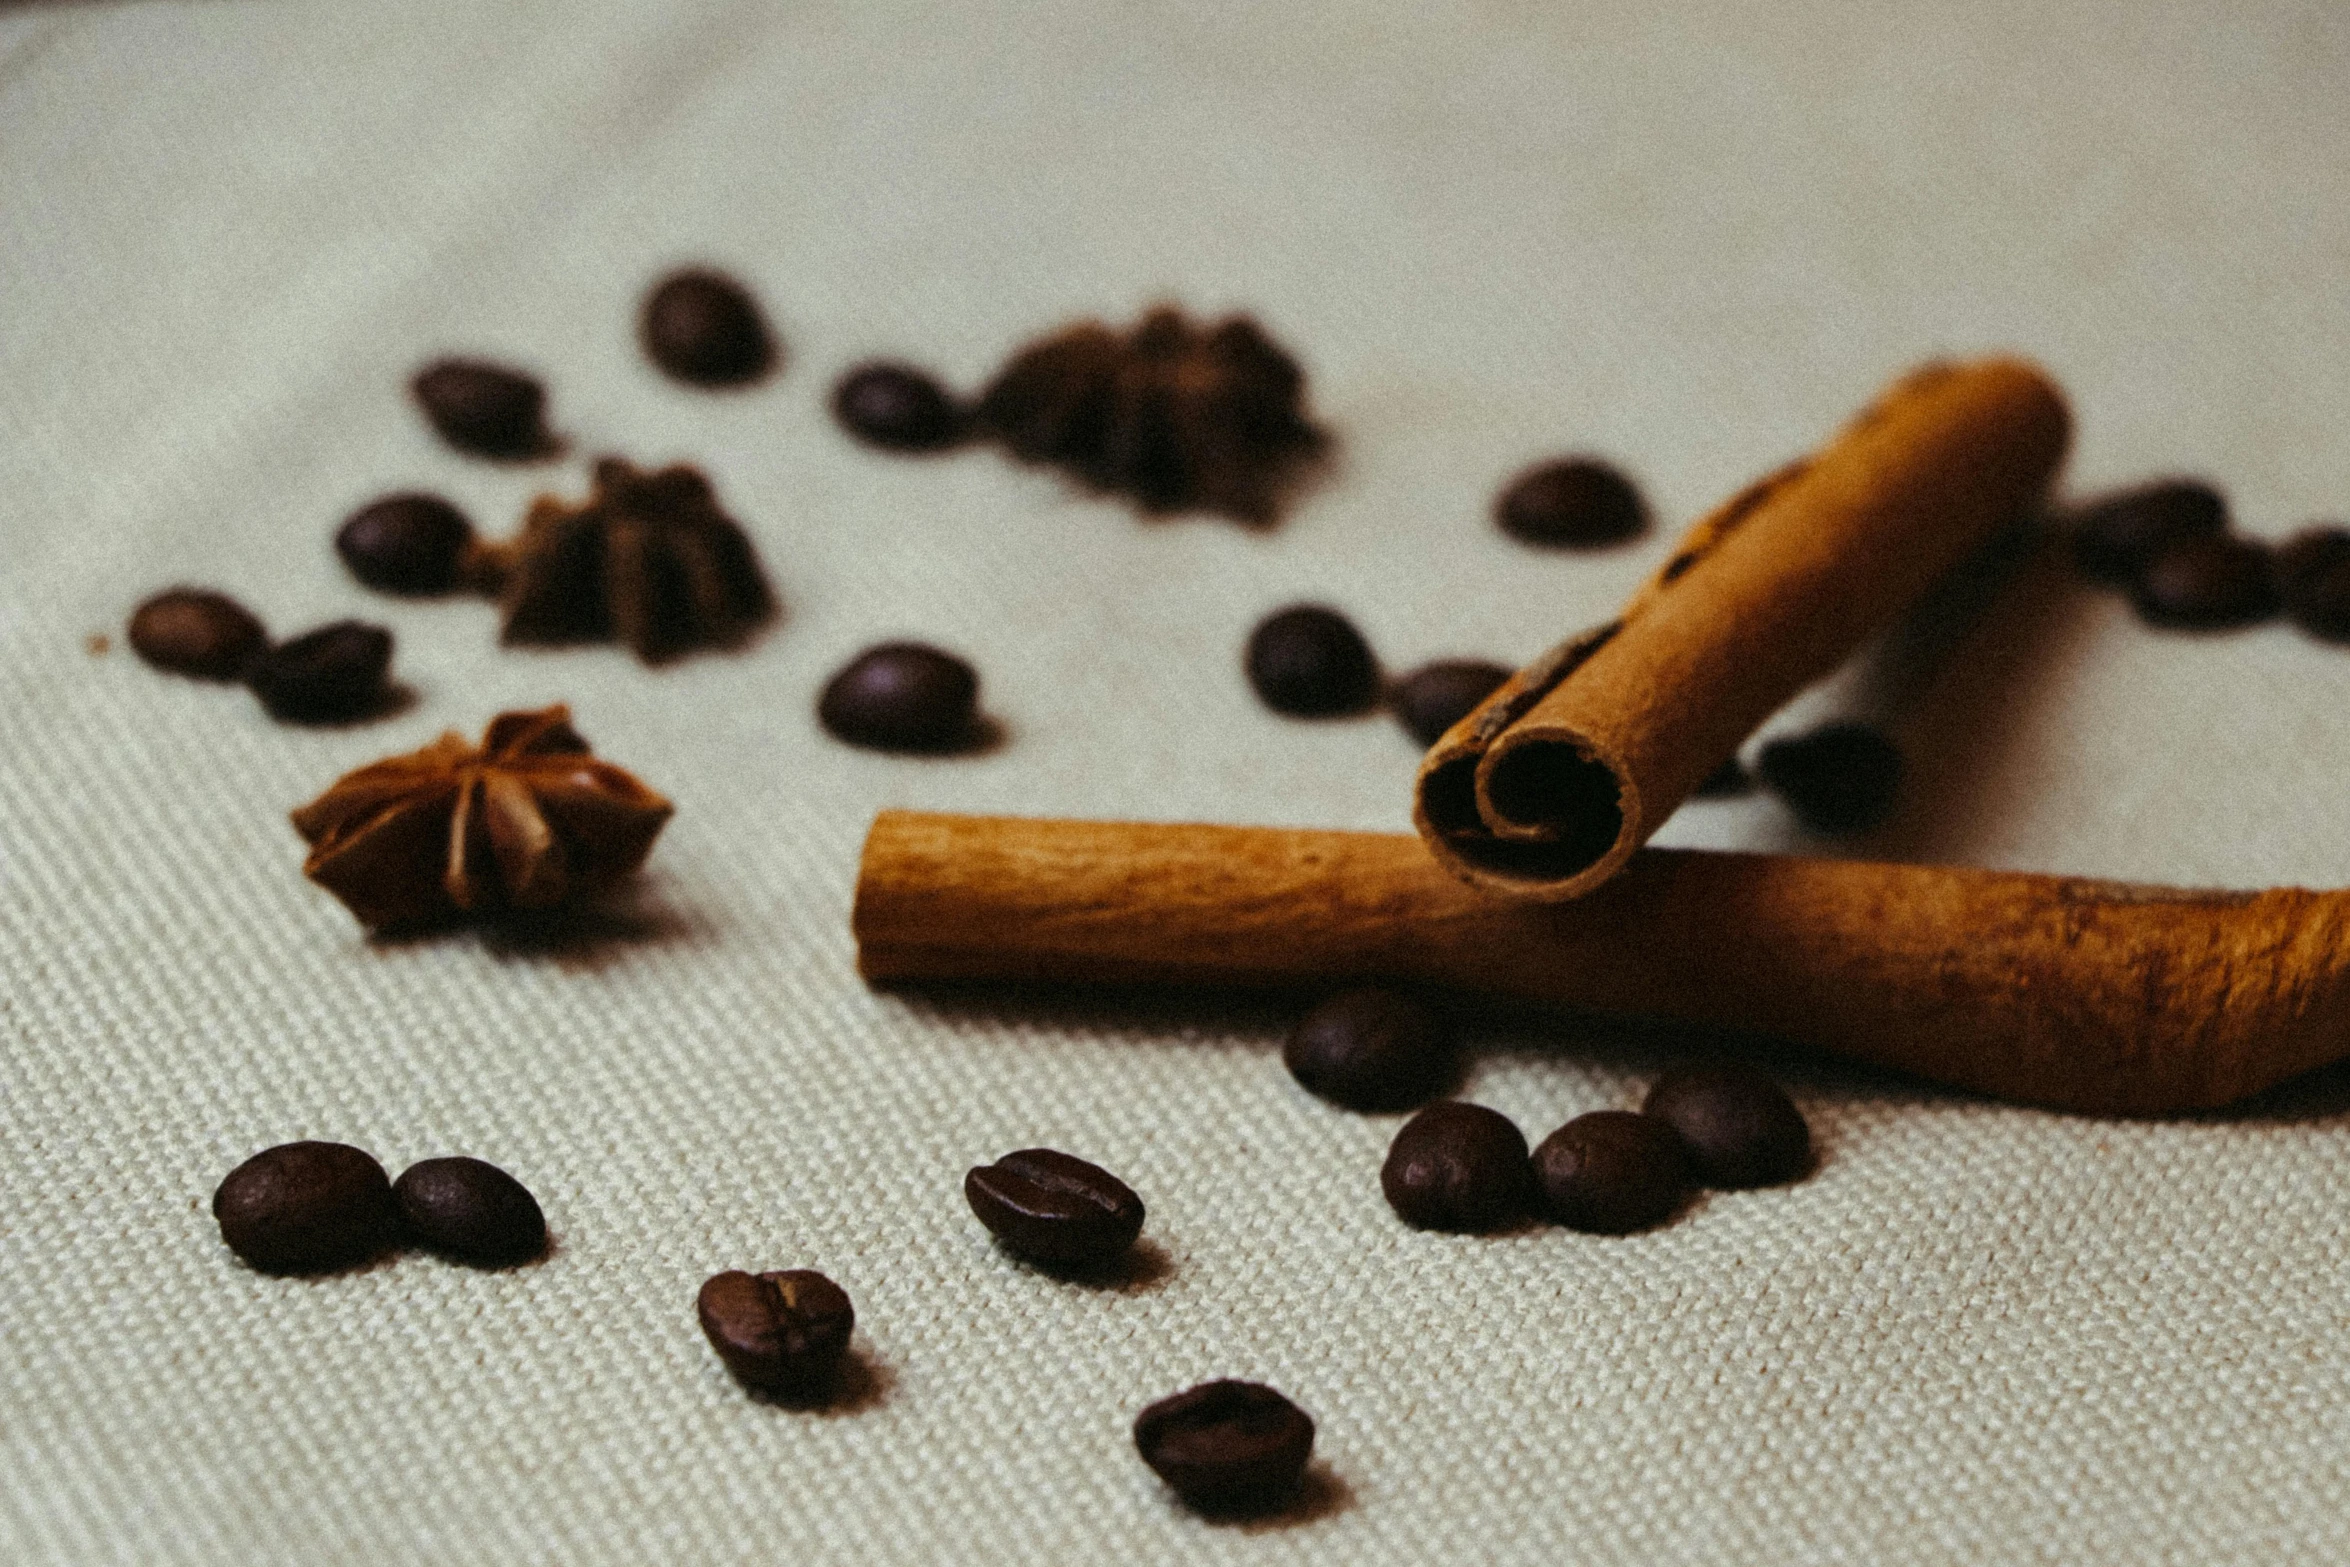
x=526, y=821
x=1178, y=417
x=647, y=559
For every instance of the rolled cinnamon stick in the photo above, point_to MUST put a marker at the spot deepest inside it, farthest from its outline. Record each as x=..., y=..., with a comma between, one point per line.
x=1546, y=789
x=2049, y=990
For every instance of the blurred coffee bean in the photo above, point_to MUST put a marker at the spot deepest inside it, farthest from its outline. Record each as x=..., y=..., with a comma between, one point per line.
x=1739, y=1127
x=307, y=1208
x=2206, y=584
x=1724, y=782
x=1578, y=502
x=483, y=408
x=705, y=328
x=1841, y=778
x=408, y=543
x=1055, y=1208
x=2313, y=580
x=2115, y=539
x=1434, y=697
x=1227, y=1447
x=472, y=1211
x=327, y=676
x=1457, y=1166
x=1612, y=1172
x=1372, y=1049
x=1310, y=662
x=897, y=407
x=783, y=1333
x=902, y=696
x=194, y=631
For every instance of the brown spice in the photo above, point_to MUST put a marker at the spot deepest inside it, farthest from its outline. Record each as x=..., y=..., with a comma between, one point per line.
x=647, y=559
x=1176, y=416
x=527, y=820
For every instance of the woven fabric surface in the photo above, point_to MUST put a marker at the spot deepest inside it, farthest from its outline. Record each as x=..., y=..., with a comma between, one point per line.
x=1692, y=238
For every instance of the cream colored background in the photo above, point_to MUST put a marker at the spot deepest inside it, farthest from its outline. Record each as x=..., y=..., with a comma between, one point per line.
x=1689, y=236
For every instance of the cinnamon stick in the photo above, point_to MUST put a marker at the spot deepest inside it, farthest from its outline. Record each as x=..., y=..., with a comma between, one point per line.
x=2049, y=990
x=1546, y=789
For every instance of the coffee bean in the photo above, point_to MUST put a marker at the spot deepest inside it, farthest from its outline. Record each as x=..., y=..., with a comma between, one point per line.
x=1575, y=501
x=1457, y=1166
x=1434, y=697
x=1310, y=662
x=705, y=328
x=307, y=1208
x=1739, y=1127
x=1841, y=778
x=2312, y=574
x=406, y=543
x=783, y=1333
x=1372, y=1049
x=484, y=408
x=1226, y=1446
x=471, y=1211
x=2206, y=584
x=325, y=676
x=902, y=696
x=193, y=631
x=2115, y=539
x=1725, y=782
x=1612, y=1172
x=1055, y=1209
x=897, y=407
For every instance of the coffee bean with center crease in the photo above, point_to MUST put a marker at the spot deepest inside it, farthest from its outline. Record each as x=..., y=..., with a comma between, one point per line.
x=1227, y=1447
x=1578, y=502
x=407, y=543
x=327, y=676
x=1612, y=1172
x=705, y=328
x=2206, y=584
x=2115, y=538
x=902, y=696
x=1310, y=662
x=1055, y=1209
x=1372, y=1049
x=483, y=408
x=783, y=1333
x=1434, y=697
x=2312, y=574
x=1457, y=1166
x=1739, y=1127
x=307, y=1208
x=194, y=631
x=1840, y=778
x=472, y=1211
x=898, y=408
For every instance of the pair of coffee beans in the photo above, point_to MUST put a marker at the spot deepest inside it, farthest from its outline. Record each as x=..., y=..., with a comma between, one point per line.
x=783, y=1333
x=334, y=674
x=1464, y=1167
x=2168, y=544
x=316, y=1207
x=1309, y=661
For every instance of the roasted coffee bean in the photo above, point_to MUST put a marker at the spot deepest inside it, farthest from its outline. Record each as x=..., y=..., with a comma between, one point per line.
x=2312, y=574
x=1434, y=697
x=897, y=407
x=1457, y=1166
x=325, y=676
x=1739, y=1127
x=471, y=1211
x=406, y=543
x=307, y=1208
x=2206, y=584
x=1724, y=782
x=1227, y=1447
x=1575, y=501
x=193, y=631
x=902, y=696
x=783, y=1333
x=1838, y=779
x=1054, y=1208
x=1310, y=662
x=1612, y=1172
x=705, y=328
x=484, y=408
x=2115, y=539
x=1372, y=1049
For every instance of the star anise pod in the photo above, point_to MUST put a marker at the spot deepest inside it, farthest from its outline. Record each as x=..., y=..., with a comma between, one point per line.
x=527, y=820
x=647, y=559
x=1173, y=415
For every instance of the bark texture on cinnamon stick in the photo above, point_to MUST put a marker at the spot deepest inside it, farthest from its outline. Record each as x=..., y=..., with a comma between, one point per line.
x=1546, y=789
x=2048, y=990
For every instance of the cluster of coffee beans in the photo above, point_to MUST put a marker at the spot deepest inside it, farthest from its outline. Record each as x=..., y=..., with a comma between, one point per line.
x=332, y=675
x=1457, y=1166
x=314, y=1207
x=2169, y=545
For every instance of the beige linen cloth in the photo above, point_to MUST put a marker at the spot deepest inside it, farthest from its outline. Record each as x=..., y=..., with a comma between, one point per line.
x=1692, y=238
